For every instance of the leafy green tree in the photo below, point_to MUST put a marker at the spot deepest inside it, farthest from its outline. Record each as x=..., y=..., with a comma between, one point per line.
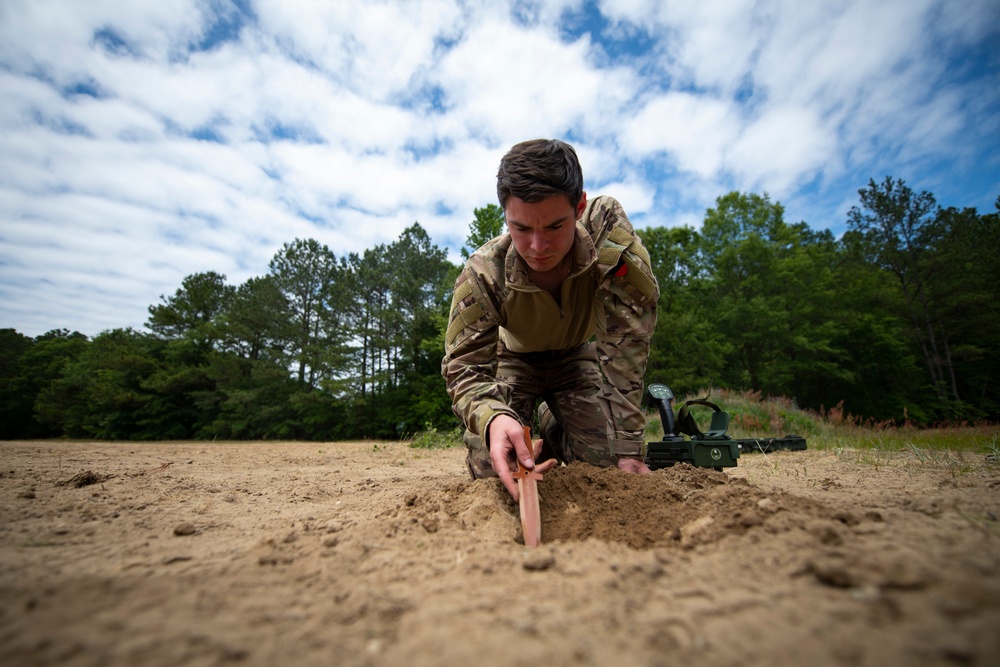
x=771, y=291
x=370, y=287
x=811, y=357
x=190, y=324
x=193, y=309
x=686, y=352
x=419, y=267
x=183, y=385
x=964, y=294
x=899, y=231
x=739, y=239
x=487, y=224
x=255, y=324
x=43, y=365
x=306, y=272
x=880, y=376
x=16, y=404
x=260, y=407
x=101, y=393
x=397, y=308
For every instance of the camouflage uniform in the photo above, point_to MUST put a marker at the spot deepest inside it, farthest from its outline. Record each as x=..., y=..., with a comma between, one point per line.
x=509, y=344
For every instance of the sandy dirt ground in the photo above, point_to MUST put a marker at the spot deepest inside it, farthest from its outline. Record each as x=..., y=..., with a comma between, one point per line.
x=378, y=554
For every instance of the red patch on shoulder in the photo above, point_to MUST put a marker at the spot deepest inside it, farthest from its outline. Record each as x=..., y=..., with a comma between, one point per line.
x=622, y=270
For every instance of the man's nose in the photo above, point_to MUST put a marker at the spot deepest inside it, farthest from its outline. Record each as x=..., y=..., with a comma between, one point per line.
x=538, y=241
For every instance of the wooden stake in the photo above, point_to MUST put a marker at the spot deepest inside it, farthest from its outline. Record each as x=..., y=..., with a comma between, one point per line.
x=527, y=486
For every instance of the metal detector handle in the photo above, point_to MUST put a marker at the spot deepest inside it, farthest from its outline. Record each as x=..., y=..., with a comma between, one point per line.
x=661, y=395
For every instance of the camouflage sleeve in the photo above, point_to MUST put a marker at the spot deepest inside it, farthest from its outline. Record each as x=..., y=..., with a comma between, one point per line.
x=470, y=361
x=629, y=294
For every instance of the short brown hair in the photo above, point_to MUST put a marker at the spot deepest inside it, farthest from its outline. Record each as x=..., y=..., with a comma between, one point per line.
x=537, y=169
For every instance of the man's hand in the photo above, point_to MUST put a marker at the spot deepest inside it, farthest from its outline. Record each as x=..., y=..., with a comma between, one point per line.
x=636, y=466
x=506, y=443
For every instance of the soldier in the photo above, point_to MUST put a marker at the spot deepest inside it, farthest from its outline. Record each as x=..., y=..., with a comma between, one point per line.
x=559, y=310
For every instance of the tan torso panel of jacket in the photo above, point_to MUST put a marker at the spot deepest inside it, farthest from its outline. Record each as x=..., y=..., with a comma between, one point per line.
x=534, y=322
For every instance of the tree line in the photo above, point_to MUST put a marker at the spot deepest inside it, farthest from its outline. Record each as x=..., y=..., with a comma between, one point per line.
x=899, y=319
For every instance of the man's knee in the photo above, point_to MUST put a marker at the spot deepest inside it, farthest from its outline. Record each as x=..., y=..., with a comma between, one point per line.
x=581, y=431
x=554, y=441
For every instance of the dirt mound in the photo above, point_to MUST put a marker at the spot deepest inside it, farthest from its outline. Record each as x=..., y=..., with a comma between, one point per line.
x=680, y=506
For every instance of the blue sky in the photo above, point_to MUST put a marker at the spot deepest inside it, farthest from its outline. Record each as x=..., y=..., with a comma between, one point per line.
x=144, y=141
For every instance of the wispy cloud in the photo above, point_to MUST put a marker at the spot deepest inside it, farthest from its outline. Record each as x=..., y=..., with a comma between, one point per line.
x=144, y=141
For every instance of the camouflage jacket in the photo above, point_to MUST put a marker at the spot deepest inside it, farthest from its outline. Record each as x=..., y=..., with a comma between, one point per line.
x=610, y=292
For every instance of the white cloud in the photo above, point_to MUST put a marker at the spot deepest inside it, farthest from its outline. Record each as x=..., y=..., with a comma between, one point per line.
x=376, y=48
x=506, y=82
x=348, y=121
x=694, y=130
x=635, y=194
x=780, y=150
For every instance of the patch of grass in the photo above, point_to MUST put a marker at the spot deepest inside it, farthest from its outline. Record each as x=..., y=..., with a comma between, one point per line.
x=922, y=442
x=432, y=438
x=877, y=457
x=992, y=448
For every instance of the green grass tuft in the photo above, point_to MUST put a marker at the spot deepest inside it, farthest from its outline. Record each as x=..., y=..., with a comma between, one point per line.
x=432, y=438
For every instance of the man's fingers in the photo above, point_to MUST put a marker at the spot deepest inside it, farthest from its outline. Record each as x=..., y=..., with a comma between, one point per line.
x=501, y=466
x=503, y=472
x=511, y=485
x=545, y=466
x=522, y=451
x=536, y=448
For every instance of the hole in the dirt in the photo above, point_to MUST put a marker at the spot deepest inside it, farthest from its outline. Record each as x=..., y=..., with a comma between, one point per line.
x=680, y=505
x=84, y=479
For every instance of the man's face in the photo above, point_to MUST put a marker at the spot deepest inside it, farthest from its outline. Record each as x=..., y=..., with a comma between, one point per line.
x=543, y=232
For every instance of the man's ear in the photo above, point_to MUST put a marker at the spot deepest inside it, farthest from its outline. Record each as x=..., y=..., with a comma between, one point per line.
x=582, y=205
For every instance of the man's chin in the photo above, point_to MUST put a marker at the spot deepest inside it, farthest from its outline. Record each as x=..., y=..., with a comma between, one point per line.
x=541, y=267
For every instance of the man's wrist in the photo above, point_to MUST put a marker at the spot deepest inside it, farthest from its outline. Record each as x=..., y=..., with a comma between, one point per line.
x=489, y=422
x=484, y=416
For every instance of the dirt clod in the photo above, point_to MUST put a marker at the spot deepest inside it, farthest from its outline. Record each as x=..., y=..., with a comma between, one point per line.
x=185, y=529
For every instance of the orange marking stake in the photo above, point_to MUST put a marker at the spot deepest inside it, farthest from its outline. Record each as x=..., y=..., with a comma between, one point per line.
x=527, y=487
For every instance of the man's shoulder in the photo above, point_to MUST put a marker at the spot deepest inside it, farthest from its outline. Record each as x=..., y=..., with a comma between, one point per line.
x=604, y=202
x=479, y=292
x=490, y=256
x=487, y=266
x=602, y=215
